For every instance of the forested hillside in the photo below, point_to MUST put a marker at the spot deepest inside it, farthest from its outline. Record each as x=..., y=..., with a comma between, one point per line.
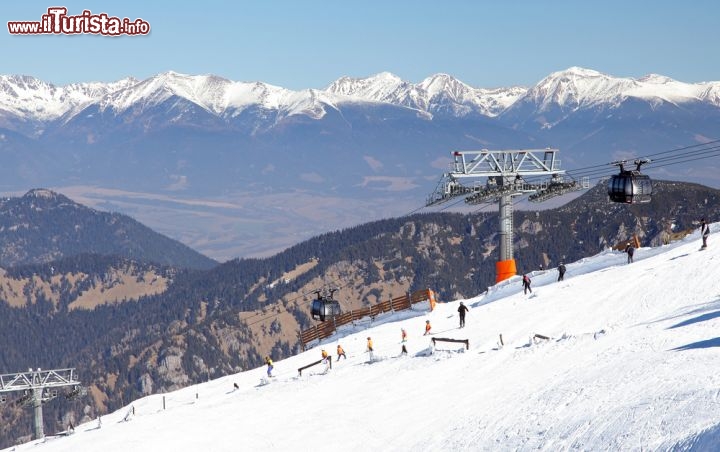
x=208, y=323
x=42, y=226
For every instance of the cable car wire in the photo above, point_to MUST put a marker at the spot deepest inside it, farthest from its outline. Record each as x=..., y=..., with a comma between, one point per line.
x=696, y=152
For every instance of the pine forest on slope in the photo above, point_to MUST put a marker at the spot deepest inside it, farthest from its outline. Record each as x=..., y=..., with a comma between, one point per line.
x=42, y=226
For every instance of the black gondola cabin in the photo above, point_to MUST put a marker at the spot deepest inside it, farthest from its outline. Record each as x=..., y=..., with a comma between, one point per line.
x=324, y=307
x=630, y=186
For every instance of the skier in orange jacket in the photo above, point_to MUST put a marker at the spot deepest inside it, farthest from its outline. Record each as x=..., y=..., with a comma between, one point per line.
x=427, y=328
x=340, y=352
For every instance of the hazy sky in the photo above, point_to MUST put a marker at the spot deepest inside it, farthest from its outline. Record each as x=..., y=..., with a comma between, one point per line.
x=300, y=44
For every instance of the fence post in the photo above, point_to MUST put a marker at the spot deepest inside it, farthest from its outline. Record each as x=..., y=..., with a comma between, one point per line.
x=163, y=402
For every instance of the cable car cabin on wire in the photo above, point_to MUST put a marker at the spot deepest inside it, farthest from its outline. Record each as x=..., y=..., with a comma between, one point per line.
x=630, y=186
x=325, y=307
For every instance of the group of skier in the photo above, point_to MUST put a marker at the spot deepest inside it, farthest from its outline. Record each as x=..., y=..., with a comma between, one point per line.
x=340, y=353
x=462, y=309
x=629, y=250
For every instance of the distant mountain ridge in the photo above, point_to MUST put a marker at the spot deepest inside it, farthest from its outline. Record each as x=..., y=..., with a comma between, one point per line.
x=43, y=226
x=363, y=148
x=34, y=100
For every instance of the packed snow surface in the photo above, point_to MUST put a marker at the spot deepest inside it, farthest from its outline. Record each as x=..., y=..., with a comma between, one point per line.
x=630, y=363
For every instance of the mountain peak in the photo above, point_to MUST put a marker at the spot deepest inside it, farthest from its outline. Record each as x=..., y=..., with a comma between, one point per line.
x=385, y=76
x=444, y=83
x=656, y=79
x=577, y=86
x=378, y=87
x=580, y=71
x=44, y=198
x=41, y=193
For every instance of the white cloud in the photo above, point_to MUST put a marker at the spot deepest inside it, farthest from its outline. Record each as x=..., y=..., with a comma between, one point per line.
x=389, y=183
x=312, y=177
x=180, y=182
x=375, y=164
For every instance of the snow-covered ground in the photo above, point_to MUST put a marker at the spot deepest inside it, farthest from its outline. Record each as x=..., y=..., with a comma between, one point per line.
x=631, y=363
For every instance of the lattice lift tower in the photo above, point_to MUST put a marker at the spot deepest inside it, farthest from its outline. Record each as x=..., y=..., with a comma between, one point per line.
x=505, y=172
x=39, y=386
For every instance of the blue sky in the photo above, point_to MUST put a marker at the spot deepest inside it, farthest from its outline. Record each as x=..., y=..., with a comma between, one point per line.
x=308, y=44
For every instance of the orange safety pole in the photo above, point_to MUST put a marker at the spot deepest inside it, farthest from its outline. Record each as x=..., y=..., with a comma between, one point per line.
x=505, y=269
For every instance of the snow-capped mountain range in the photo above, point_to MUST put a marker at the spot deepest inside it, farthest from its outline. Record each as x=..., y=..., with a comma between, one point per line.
x=578, y=88
x=35, y=100
x=368, y=147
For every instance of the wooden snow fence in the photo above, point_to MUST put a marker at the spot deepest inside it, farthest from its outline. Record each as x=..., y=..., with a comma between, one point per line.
x=316, y=332
x=327, y=328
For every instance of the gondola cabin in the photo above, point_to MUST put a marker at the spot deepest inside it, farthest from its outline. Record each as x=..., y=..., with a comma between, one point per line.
x=630, y=186
x=324, y=307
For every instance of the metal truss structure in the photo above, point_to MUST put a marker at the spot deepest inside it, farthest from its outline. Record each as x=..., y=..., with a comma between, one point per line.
x=505, y=174
x=40, y=386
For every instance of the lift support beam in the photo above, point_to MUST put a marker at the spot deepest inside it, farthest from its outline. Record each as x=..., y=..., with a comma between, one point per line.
x=505, y=173
x=34, y=383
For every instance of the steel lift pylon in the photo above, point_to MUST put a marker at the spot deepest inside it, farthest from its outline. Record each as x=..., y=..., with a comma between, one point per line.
x=505, y=173
x=39, y=386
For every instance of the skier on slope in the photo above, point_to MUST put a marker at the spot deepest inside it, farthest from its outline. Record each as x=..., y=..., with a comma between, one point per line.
x=561, y=271
x=403, y=335
x=370, y=348
x=526, y=284
x=704, y=232
x=428, y=327
x=269, y=363
x=340, y=352
x=324, y=355
x=462, y=310
x=630, y=250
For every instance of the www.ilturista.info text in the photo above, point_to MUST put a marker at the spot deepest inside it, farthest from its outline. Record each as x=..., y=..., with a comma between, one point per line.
x=57, y=21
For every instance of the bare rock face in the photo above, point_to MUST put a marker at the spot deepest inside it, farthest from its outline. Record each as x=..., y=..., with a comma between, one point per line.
x=171, y=369
x=145, y=384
